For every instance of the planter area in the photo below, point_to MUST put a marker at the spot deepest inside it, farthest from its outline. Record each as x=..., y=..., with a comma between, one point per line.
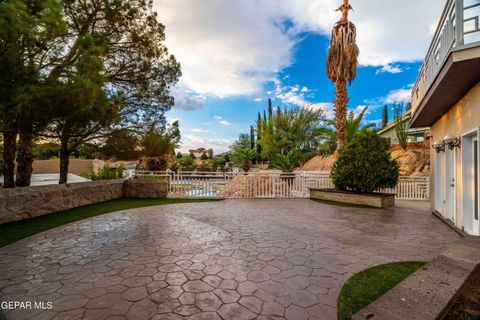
x=377, y=200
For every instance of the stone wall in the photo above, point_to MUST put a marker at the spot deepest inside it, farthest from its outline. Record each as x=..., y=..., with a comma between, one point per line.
x=145, y=189
x=25, y=203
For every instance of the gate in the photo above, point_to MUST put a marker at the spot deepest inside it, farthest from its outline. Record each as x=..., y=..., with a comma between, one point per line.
x=268, y=185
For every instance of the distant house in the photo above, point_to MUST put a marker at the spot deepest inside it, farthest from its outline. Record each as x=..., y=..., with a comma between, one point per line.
x=413, y=134
x=198, y=153
x=446, y=97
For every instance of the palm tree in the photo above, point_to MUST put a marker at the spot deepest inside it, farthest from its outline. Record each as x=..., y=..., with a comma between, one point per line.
x=353, y=125
x=287, y=163
x=243, y=157
x=342, y=64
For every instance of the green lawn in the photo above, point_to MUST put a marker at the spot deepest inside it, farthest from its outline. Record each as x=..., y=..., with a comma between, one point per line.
x=367, y=286
x=15, y=231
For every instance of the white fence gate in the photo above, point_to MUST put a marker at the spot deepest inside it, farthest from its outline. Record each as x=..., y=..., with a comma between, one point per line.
x=264, y=185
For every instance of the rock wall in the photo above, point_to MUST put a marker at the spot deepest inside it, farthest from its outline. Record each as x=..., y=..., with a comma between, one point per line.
x=29, y=202
x=415, y=161
x=145, y=189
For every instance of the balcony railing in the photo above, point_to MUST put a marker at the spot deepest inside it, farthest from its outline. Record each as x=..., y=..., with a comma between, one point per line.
x=459, y=27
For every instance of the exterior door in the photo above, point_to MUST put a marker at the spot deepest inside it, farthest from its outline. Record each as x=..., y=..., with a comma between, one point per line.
x=476, y=182
x=450, y=186
x=438, y=183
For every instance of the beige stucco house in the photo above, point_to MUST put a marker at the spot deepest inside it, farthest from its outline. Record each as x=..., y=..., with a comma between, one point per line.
x=413, y=134
x=446, y=97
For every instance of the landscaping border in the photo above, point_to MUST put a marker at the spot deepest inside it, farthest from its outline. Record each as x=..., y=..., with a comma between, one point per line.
x=377, y=200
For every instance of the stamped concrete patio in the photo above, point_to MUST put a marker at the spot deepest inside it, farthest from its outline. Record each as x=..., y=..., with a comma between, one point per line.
x=252, y=259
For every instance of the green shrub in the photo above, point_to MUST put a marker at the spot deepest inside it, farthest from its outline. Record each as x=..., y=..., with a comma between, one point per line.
x=365, y=165
x=45, y=151
x=187, y=164
x=107, y=173
x=175, y=167
x=205, y=167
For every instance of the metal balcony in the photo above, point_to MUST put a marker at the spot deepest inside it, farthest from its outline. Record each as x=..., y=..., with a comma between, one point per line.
x=451, y=66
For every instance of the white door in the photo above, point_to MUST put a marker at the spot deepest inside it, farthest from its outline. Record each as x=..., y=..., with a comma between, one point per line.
x=438, y=183
x=476, y=182
x=450, y=184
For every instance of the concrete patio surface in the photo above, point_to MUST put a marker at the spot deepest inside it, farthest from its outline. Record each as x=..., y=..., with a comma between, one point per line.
x=234, y=259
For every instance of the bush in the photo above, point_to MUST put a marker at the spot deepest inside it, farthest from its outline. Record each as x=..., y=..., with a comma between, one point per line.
x=107, y=173
x=175, y=167
x=187, y=164
x=365, y=165
x=45, y=151
x=205, y=167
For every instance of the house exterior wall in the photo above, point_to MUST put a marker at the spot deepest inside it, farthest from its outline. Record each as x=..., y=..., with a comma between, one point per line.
x=462, y=118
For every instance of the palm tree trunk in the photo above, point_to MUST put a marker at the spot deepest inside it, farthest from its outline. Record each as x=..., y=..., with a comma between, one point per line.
x=24, y=160
x=9, y=149
x=341, y=100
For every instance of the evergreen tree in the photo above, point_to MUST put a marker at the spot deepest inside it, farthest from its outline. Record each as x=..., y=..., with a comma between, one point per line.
x=28, y=33
x=259, y=137
x=385, y=116
x=252, y=137
x=80, y=57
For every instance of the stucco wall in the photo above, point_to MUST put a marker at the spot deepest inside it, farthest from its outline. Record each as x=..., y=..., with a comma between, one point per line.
x=25, y=203
x=76, y=166
x=459, y=120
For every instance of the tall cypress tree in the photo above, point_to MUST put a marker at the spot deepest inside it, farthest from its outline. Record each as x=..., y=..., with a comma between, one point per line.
x=259, y=137
x=270, y=117
x=265, y=122
x=385, y=116
x=252, y=137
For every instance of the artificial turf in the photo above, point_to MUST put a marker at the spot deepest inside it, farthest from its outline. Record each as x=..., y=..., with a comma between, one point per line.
x=368, y=285
x=15, y=231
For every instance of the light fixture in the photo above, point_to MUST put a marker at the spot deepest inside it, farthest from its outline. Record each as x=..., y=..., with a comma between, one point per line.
x=439, y=146
x=452, y=142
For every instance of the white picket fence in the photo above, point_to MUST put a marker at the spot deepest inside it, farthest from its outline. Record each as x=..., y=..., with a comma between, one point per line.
x=264, y=185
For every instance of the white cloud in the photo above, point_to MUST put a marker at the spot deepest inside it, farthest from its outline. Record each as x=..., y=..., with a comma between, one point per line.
x=389, y=69
x=222, y=121
x=398, y=96
x=191, y=141
x=294, y=95
x=233, y=47
x=187, y=100
x=225, y=123
x=199, y=130
x=327, y=107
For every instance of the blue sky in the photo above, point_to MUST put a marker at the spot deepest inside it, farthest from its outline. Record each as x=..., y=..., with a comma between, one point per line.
x=236, y=54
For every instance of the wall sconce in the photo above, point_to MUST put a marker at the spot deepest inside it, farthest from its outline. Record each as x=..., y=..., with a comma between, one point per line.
x=452, y=142
x=439, y=146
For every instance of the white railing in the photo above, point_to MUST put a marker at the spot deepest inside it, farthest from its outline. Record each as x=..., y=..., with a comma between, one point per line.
x=458, y=26
x=411, y=188
x=264, y=185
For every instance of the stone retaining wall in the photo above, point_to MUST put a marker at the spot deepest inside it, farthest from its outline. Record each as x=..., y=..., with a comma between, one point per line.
x=25, y=203
x=145, y=189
